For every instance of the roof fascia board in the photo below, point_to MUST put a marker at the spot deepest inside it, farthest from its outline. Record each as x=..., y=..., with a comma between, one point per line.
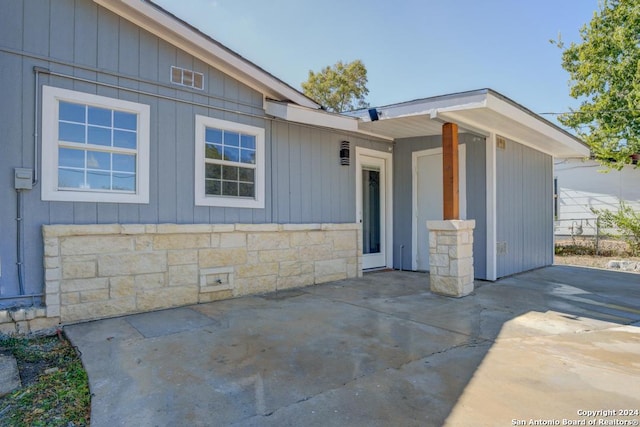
x=294, y=113
x=171, y=30
x=506, y=109
x=428, y=106
x=308, y=116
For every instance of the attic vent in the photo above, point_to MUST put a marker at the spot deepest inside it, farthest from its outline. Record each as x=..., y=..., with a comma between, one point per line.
x=184, y=77
x=501, y=143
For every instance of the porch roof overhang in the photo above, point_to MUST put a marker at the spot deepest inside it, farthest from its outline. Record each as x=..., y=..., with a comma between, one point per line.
x=481, y=112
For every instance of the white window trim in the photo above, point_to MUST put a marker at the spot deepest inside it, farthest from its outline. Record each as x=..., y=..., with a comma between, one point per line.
x=201, y=199
x=49, y=184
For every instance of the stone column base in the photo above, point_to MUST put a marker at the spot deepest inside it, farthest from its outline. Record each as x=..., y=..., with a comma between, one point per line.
x=451, y=257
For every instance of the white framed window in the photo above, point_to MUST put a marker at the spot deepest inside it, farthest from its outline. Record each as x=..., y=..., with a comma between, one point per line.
x=230, y=164
x=94, y=148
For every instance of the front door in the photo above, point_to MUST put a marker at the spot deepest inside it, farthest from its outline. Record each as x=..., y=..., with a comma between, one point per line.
x=372, y=182
x=427, y=199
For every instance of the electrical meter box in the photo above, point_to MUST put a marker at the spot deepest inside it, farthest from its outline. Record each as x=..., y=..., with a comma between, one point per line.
x=23, y=178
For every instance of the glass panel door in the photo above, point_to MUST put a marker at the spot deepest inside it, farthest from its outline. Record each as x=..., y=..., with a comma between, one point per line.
x=371, y=232
x=371, y=192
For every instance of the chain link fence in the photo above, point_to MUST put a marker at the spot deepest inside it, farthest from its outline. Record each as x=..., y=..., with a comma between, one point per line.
x=588, y=233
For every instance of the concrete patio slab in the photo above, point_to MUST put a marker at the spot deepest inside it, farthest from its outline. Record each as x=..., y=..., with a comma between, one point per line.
x=9, y=375
x=381, y=350
x=553, y=378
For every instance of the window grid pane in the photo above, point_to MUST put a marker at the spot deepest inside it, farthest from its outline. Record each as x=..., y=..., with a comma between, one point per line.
x=213, y=187
x=246, y=190
x=126, y=121
x=100, y=116
x=99, y=136
x=224, y=150
x=113, y=168
x=71, y=112
x=231, y=146
x=72, y=132
x=230, y=188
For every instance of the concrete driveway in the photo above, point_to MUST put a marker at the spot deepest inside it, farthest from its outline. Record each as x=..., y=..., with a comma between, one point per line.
x=547, y=345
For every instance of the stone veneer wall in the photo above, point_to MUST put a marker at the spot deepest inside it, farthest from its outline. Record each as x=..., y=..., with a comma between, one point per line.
x=25, y=320
x=96, y=271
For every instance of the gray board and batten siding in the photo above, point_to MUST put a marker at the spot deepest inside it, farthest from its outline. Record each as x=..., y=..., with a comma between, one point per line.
x=524, y=198
x=403, y=191
x=305, y=182
x=524, y=208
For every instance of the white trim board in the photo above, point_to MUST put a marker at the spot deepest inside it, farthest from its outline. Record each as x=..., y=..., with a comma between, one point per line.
x=492, y=226
x=388, y=165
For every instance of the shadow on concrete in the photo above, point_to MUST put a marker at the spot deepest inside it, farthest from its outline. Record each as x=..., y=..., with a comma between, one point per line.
x=381, y=350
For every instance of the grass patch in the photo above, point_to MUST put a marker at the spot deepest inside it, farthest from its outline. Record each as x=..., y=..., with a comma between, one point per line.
x=55, y=388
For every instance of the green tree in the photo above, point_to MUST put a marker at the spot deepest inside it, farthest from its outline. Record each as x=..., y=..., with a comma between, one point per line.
x=339, y=88
x=604, y=71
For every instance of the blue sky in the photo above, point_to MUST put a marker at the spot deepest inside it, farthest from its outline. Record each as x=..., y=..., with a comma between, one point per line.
x=411, y=48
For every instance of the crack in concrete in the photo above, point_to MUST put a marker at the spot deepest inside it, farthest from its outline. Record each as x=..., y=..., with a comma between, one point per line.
x=393, y=315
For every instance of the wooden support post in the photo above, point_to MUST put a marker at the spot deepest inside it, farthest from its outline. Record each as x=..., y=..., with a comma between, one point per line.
x=451, y=191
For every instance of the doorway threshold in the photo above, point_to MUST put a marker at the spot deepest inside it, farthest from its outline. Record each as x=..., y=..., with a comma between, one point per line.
x=377, y=270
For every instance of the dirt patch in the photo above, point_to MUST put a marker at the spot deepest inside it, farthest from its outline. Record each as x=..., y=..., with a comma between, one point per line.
x=582, y=252
x=34, y=359
x=590, y=260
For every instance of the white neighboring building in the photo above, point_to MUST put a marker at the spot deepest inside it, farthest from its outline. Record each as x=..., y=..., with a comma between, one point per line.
x=581, y=185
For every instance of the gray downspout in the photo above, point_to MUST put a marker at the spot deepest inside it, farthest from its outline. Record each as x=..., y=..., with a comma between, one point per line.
x=19, y=260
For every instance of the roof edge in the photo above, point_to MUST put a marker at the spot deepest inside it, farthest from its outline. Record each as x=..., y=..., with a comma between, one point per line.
x=534, y=115
x=153, y=18
x=468, y=93
x=298, y=114
x=419, y=101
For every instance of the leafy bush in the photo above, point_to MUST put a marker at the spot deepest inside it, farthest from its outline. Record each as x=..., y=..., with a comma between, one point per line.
x=574, y=249
x=627, y=220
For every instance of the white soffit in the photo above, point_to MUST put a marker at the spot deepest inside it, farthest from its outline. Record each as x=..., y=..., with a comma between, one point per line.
x=416, y=118
x=169, y=28
x=481, y=112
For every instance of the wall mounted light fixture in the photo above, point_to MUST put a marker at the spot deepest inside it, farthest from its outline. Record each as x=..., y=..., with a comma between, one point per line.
x=344, y=153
